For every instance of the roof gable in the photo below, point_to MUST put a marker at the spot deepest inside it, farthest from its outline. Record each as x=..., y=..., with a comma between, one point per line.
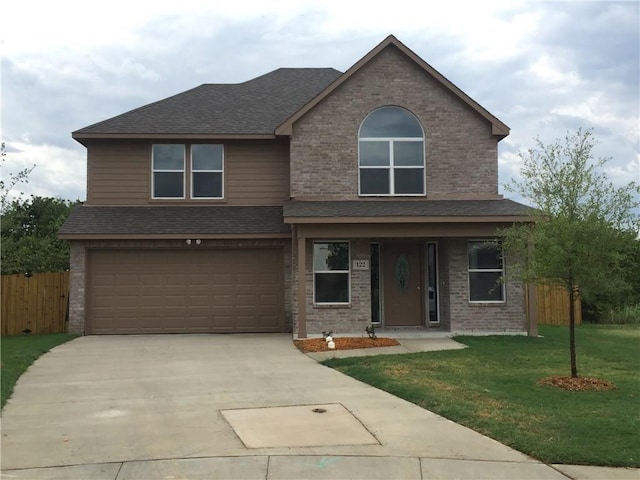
x=498, y=128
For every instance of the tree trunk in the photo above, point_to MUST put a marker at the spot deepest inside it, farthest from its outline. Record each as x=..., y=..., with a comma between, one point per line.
x=572, y=332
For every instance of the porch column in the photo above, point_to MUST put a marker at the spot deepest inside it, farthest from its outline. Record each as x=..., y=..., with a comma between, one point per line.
x=302, y=287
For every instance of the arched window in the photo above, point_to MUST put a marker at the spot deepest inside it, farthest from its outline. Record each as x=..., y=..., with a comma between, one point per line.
x=391, y=153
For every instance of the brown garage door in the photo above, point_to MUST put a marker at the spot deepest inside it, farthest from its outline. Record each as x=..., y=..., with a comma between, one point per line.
x=177, y=291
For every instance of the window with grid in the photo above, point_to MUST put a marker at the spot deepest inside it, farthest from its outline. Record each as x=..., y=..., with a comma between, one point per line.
x=331, y=273
x=391, y=154
x=486, y=271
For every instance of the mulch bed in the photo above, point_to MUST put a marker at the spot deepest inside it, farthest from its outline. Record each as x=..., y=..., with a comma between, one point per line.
x=577, y=384
x=343, y=343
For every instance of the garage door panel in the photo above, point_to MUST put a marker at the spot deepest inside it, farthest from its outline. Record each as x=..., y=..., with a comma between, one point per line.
x=156, y=291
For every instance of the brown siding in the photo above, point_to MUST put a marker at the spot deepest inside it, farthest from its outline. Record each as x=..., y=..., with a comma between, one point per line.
x=256, y=173
x=118, y=173
x=461, y=153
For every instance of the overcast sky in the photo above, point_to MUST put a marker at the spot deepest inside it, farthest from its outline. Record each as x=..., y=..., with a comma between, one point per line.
x=543, y=68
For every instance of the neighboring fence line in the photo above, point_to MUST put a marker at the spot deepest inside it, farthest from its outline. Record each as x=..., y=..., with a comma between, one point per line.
x=553, y=306
x=37, y=303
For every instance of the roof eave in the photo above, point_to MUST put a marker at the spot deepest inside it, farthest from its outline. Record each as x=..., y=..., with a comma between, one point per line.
x=170, y=236
x=81, y=137
x=409, y=219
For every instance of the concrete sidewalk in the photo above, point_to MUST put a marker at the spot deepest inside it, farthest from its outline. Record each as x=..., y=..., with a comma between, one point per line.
x=145, y=407
x=299, y=467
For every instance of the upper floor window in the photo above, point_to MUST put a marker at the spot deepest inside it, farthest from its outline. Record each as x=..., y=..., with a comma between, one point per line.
x=170, y=171
x=206, y=171
x=391, y=153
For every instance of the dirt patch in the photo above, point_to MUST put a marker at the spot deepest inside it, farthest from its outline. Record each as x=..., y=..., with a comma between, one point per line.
x=577, y=384
x=343, y=343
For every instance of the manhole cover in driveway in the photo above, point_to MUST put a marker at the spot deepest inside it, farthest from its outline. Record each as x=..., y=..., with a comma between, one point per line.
x=298, y=426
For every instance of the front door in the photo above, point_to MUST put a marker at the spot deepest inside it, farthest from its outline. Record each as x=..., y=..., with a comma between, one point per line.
x=402, y=286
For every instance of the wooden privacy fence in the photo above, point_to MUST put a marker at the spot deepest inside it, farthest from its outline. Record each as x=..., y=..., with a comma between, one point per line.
x=37, y=303
x=553, y=306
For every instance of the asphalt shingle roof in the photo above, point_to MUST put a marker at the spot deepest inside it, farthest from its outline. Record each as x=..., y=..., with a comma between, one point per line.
x=257, y=106
x=421, y=208
x=154, y=220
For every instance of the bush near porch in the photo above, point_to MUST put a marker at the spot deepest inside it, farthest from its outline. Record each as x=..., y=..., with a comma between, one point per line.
x=492, y=387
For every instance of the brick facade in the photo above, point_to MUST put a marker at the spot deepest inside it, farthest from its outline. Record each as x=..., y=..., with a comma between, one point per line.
x=461, y=153
x=461, y=163
x=457, y=314
x=507, y=317
x=339, y=318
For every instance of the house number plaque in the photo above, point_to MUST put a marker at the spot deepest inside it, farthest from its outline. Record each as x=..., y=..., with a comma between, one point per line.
x=361, y=264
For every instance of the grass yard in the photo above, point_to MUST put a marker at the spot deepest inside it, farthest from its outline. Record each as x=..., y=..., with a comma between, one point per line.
x=491, y=388
x=19, y=352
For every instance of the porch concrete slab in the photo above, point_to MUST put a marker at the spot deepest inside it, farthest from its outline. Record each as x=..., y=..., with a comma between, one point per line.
x=353, y=468
x=586, y=472
x=298, y=426
x=231, y=468
x=106, y=471
x=407, y=345
x=448, y=469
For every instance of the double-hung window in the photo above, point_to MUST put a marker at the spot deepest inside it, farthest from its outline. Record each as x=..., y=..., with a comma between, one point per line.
x=486, y=271
x=206, y=171
x=175, y=178
x=391, y=154
x=331, y=273
x=168, y=170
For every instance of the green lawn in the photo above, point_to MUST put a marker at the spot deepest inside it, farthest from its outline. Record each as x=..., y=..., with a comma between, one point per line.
x=491, y=387
x=19, y=352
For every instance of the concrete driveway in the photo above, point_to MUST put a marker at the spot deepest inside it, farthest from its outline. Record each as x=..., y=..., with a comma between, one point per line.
x=124, y=407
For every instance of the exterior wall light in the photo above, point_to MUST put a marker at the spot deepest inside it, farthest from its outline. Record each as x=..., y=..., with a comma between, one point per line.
x=188, y=241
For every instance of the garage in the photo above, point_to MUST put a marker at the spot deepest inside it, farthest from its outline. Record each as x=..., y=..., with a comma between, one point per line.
x=185, y=291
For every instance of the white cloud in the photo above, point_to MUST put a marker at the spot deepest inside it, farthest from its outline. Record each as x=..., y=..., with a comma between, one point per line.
x=553, y=76
x=543, y=68
x=59, y=172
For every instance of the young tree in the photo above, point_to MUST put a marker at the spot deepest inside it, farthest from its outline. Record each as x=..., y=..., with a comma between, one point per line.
x=30, y=240
x=582, y=226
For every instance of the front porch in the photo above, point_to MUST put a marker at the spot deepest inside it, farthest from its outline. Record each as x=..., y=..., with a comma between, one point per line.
x=413, y=264
x=406, y=287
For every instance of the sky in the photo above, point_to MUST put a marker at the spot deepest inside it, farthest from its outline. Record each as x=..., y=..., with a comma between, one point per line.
x=543, y=68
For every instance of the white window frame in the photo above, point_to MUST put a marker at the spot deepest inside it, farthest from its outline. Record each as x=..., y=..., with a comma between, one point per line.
x=481, y=270
x=183, y=171
x=348, y=272
x=193, y=172
x=392, y=167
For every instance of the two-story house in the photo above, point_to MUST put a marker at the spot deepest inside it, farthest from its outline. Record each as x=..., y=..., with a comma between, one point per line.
x=300, y=201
